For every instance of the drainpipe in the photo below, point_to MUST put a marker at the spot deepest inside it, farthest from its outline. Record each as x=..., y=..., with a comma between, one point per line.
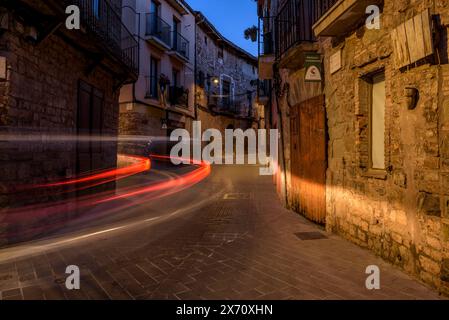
x=284, y=163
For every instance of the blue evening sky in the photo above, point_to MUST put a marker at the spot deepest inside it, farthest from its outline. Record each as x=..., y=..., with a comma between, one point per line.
x=231, y=18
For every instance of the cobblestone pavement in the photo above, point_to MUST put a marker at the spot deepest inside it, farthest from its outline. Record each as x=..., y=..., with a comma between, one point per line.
x=240, y=244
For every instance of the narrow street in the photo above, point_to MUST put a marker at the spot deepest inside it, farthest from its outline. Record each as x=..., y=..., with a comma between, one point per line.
x=227, y=237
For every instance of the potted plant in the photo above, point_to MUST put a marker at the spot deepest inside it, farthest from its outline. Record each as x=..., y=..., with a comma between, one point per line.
x=164, y=82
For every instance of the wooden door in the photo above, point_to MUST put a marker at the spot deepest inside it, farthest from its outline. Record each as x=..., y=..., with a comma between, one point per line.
x=89, y=124
x=84, y=161
x=309, y=159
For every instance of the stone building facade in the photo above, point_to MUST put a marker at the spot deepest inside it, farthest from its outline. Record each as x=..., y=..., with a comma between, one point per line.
x=162, y=99
x=399, y=209
x=226, y=78
x=53, y=88
x=386, y=171
x=284, y=92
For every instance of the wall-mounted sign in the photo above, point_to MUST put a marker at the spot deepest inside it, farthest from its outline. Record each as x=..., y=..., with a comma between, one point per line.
x=312, y=66
x=335, y=62
x=412, y=40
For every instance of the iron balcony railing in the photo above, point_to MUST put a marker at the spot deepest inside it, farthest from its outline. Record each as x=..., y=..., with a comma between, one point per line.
x=158, y=28
x=151, y=88
x=180, y=44
x=294, y=22
x=102, y=20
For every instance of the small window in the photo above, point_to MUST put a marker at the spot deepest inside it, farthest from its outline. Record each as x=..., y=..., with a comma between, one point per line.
x=155, y=8
x=175, y=78
x=226, y=93
x=176, y=34
x=152, y=85
x=205, y=40
x=201, y=79
x=377, y=122
x=96, y=8
x=220, y=52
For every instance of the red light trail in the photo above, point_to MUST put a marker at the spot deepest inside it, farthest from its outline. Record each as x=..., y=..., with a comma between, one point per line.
x=141, y=164
x=30, y=216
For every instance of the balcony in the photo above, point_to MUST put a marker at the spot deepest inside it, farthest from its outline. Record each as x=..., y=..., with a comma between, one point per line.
x=237, y=106
x=293, y=26
x=151, y=88
x=105, y=23
x=158, y=31
x=180, y=46
x=179, y=96
x=340, y=16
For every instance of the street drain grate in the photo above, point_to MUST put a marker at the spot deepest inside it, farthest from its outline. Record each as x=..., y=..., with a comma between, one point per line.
x=223, y=215
x=310, y=235
x=237, y=196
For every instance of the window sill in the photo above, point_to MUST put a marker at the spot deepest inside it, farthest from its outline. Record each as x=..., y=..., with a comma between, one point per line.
x=375, y=174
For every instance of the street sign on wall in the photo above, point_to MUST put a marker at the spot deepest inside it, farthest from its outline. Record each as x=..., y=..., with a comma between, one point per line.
x=312, y=66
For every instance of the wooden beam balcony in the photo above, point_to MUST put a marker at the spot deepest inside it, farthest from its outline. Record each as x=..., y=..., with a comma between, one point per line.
x=342, y=16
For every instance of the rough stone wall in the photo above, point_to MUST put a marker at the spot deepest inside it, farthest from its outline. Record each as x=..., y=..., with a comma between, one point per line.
x=40, y=96
x=142, y=122
x=220, y=122
x=403, y=215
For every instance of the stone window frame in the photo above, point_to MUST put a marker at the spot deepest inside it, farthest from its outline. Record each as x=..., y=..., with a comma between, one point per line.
x=363, y=112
